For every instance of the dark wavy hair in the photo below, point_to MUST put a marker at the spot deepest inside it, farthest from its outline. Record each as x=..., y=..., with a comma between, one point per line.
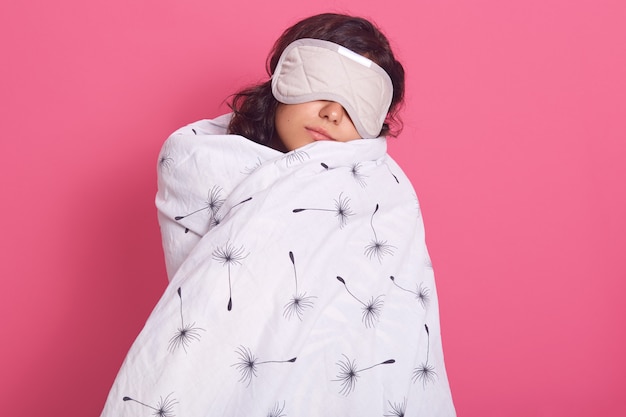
x=254, y=107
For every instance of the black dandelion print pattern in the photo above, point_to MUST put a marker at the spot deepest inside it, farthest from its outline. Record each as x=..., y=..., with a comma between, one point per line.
x=425, y=373
x=248, y=364
x=164, y=408
x=165, y=161
x=358, y=176
x=392, y=174
x=377, y=247
x=250, y=169
x=397, y=409
x=371, y=309
x=422, y=293
x=229, y=255
x=349, y=374
x=342, y=210
x=213, y=203
x=300, y=301
x=277, y=410
x=186, y=333
x=217, y=218
x=296, y=156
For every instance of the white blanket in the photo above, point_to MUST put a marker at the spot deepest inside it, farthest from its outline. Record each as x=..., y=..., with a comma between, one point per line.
x=300, y=286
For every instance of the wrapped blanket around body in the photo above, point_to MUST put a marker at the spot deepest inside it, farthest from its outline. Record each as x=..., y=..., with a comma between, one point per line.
x=300, y=285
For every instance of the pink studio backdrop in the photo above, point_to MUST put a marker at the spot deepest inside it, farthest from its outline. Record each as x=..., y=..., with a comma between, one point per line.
x=514, y=139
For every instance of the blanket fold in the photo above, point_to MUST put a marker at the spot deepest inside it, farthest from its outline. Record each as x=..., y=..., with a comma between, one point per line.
x=300, y=285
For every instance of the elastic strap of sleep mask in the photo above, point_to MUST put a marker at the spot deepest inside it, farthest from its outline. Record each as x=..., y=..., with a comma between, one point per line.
x=314, y=69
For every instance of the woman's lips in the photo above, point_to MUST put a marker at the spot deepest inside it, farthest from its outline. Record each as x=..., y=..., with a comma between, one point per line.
x=318, y=133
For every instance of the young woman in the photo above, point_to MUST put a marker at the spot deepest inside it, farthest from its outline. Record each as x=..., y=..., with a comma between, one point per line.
x=300, y=282
x=254, y=108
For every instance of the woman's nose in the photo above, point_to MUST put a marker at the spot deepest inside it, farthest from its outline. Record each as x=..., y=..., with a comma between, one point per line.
x=332, y=111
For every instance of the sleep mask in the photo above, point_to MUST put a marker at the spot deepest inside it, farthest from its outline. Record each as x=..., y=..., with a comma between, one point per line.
x=313, y=69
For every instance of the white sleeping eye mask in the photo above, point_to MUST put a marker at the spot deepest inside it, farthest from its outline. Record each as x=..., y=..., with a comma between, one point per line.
x=313, y=69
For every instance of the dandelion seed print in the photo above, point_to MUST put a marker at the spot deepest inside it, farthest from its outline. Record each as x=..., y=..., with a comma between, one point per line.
x=186, y=333
x=422, y=293
x=377, y=247
x=370, y=310
x=358, y=176
x=213, y=203
x=349, y=374
x=217, y=219
x=277, y=411
x=214, y=200
x=295, y=156
x=324, y=165
x=229, y=255
x=164, y=408
x=248, y=364
x=300, y=301
x=397, y=409
x=250, y=169
x=425, y=373
x=165, y=161
x=342, y=210
x=392, y=174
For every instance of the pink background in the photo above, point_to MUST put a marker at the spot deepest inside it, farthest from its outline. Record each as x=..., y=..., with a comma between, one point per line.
x=514, y=139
